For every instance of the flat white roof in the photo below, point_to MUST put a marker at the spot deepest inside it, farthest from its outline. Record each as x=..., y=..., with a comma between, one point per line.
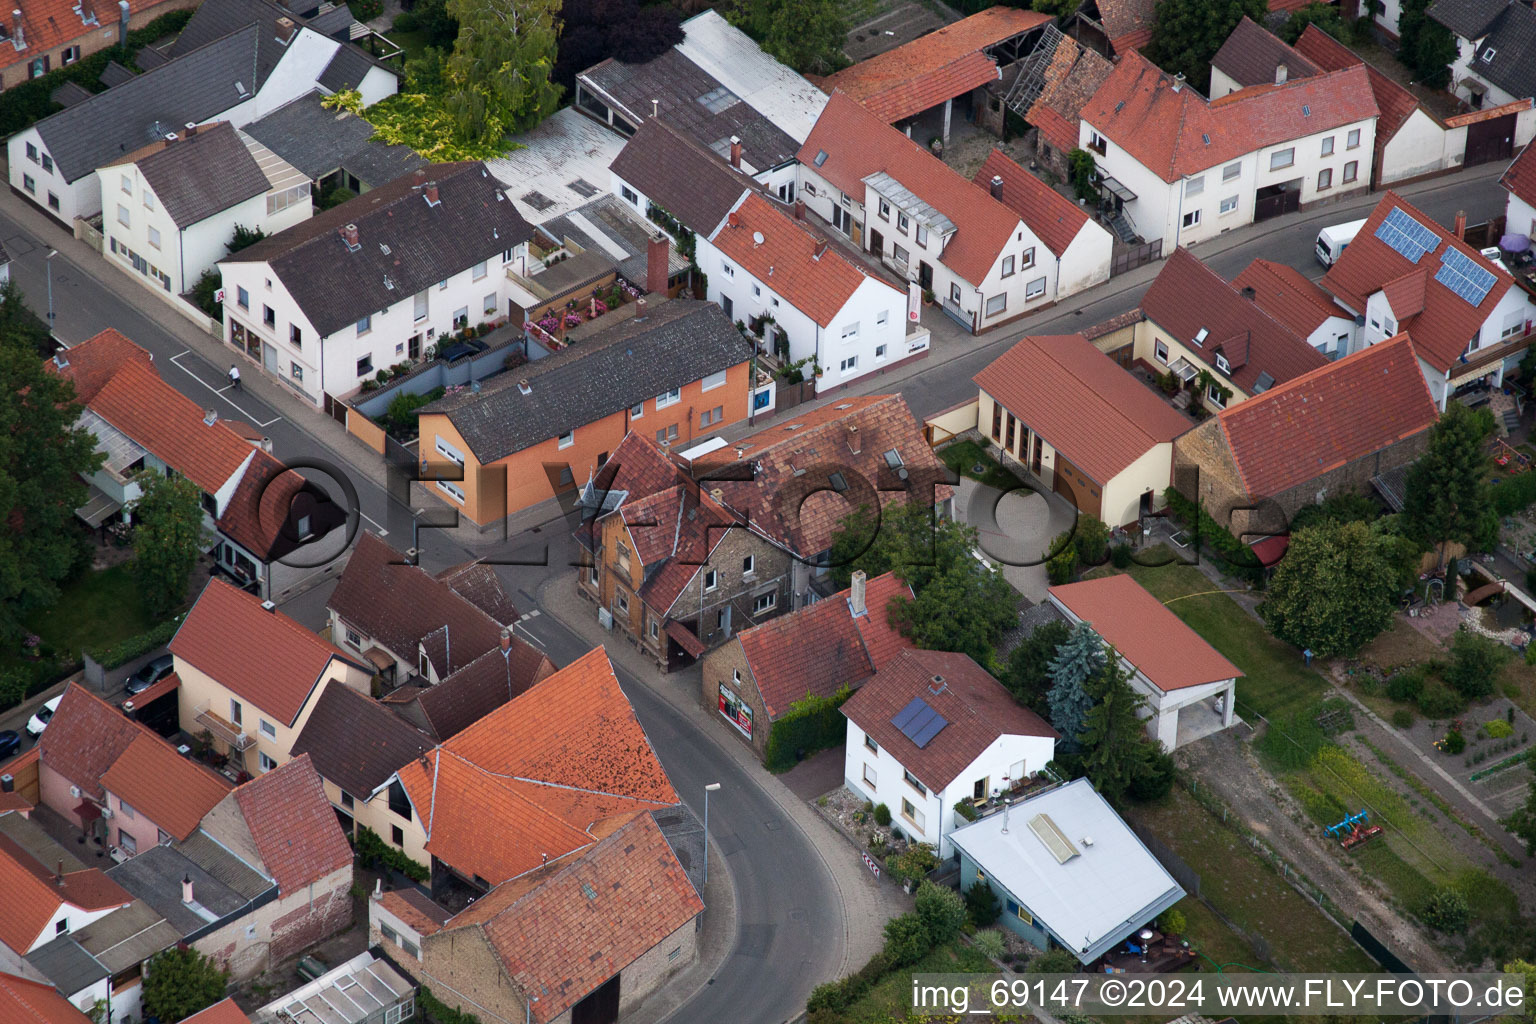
x=1107, y=886
x=714, y=444
x=563, y=164
x=786, y=99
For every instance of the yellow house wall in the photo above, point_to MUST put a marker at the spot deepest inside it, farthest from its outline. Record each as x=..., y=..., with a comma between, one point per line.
x=375, y=814
x=1122, y=495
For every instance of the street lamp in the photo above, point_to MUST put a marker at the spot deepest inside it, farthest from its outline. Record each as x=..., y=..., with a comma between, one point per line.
x=48, y=262
x=712, y=787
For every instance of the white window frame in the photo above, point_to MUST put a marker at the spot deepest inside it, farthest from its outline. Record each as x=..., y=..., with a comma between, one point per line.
x=1008, y=266
x=667, y=398
x=1034, y=289
x=1194, y=186
x=996, y=304
x=479, y=270
x=1280, y=159
x=451, y=489
x=848, y=364
x=267, y=728
x=714, y=380
x=1160, y=351
x=1228, y=205
x=765, y=602
x=1232, y=170
x=1192, y=219
x=265, y=762
x=566, y=439
x=447, y=450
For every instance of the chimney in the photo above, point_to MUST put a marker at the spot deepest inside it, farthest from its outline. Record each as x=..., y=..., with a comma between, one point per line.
x=1249, y=293
x=799, y=209
x=186, y=889
x=378, y=888
x=856, y=592
x=640, y=308
x=123, y=14
x=1281, y=73
x=430, y=191
x=349, y=235
x=210, y=417
x=733, y=219
x=58, y=876
x=269, y=607
x=17, y=36
x=285, y=30
x=506, y=640
x=7, y=783
x=853, y=438
x=1178, y=82
x=1461, y=224
x=997, y=186
x=736, y=152
x=656, y=253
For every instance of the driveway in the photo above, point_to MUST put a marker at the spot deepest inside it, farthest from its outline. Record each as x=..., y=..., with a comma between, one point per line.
x=1015, y=529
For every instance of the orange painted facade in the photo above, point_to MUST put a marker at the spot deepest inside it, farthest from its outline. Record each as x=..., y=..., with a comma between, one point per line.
x=544, y=470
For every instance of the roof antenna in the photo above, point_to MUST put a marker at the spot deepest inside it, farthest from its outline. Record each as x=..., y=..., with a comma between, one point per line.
x=1007, y=805
x=655, y=108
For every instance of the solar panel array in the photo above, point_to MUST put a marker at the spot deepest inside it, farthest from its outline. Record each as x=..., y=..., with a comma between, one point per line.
x=1464, y=277
x=918, y=722
x=1407, y=236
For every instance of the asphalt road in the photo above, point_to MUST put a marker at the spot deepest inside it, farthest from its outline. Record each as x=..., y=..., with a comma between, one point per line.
x=788, y=918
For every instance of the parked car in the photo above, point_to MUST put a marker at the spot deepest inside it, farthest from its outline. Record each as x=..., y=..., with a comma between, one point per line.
x=38, y=722
x=151, y=674
x=10, y=742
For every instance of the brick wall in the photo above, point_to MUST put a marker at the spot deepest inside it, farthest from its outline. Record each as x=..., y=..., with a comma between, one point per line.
x=656, y=965
x=310, y=916
x=1203, y=470
x=720, y=666
x=462, y=971
x=770, y=572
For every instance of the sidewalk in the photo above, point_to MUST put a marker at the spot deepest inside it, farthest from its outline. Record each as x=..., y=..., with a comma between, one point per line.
x=866, y=903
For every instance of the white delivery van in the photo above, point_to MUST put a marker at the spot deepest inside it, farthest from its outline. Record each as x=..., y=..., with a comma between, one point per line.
x=1331, y=241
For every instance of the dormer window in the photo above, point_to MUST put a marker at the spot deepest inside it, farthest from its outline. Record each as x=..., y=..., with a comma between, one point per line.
x=1222, y=364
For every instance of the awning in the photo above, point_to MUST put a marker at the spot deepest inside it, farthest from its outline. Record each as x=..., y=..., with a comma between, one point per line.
x=685, y=637
x=1116, y=189
x=144, y=698
x=379, y=658
x=99, y=508
x=1184, y=369
x=1270, y=549
x=87, y=812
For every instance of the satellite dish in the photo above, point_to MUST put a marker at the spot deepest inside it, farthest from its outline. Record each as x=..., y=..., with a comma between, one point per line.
x=757, y=238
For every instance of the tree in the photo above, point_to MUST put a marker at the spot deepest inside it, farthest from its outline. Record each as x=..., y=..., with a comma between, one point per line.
x=1325, y=16
x=942, y=912
x=1527, y=974
x=1475, y=663
x=1425, y=45
x=1055, y=8
x=245, y=237
x=908, y=539
x=498, y=75
x=981, y=905
x=808, y=35
x=1187, y=33
x=1113, y=737
x=42, y=455
x=1447, y=911
x=906, y=939
x=1028, y=673
x=594, y=30
x=180, y=982
x=964, y=610
x=1447, y=495
x=1336, y=588
x=167, y=540
x=431, y=20
x=1078, y=659
x=1082, y=170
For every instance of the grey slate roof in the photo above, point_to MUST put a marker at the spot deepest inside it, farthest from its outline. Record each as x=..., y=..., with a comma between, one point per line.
x=215, y=19
x=346, y=69
x=127, y=117
x=357, y=743
x=683, y=178
x=405, y=245
x=336, y=22
x=1469, y=19
x=1252, y=54
x=674, y=344
x=116, y=74
x=66, y=963
x=1512, y=40
x=70, y=93
x=202, y=174
x=319, y=141
x=128, y=936
x=677, y=84
x=5, y=257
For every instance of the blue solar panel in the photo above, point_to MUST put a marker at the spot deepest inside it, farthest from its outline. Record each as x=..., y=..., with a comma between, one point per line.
x=930, y=730
x=1464, y=277
x=905, y=715
x=1407, y=236
x=918, y=722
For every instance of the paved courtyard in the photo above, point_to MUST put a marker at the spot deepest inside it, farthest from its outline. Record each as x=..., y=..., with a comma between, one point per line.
x=1015, y=529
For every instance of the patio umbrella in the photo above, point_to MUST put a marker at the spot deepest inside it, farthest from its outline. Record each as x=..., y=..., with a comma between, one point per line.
x=1515, y=243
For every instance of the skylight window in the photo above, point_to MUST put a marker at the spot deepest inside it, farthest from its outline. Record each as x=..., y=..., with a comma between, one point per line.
x=1306, y=110
x=821, y=157
x=718, y=99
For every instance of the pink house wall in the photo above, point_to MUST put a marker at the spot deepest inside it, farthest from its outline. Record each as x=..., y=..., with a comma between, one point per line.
x=146, y=833
x=54, y=792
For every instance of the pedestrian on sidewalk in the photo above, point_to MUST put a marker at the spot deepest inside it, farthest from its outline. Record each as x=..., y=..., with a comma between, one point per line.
x=234, y=378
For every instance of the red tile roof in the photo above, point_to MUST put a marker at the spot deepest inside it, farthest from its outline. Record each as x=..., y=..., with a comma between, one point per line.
x=222, y=1012
x=165, y=787
x=1405, y=295
x=805, y=270
x=95, y=360
x=977, y=708
x=90, y=735
x=1440, y=332
x=414, y=908
x=261, y=656
x=945, y=63
x=789, y=495
x=1289, y=296
x=49, y=24
x=293, y=825
x=1054, y=219
x=824, y=647
x=1142, y=629
x=1128, y=23
x=32, y=897
x=1082, y=403
x=1520, y=179
x=1345, y=411
x=1187, y=296
x=530, y=778
x=32, y=1002
x=1073, y=75
x=859, y=144
x=262, y=504
x=1165, y=129
x=1394, y=103
x=566, y=931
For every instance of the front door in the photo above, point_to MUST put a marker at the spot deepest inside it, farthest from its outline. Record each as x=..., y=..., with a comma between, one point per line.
x=413, y=347
x=724, y=619
x=924, y=276
x=269, y=358
x=876, y=243
x=842, y=220
x=1490, y=140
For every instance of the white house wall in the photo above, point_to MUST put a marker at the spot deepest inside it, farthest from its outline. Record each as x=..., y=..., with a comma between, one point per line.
x=1420, y=146
x=1336, y=337
x=76, y=199
x=1519, y=217
x=1086, y=261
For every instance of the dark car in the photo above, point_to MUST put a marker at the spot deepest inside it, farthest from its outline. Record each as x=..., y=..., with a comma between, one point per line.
x=10, y=742
x=151, y=674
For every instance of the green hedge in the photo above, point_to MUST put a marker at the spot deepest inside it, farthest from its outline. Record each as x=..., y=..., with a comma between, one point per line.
x=812, y=724
x=441, y=1013
x=1231, y=552
x=1514, y=494
x=136, y=646
x=31, y=101
x=375, y=853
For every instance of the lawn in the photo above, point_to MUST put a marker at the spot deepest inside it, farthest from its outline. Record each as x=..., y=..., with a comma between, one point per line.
x=96, y=609
x=964, y=456
x=413, y=43
x=1245, y=889
x=891, y=996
